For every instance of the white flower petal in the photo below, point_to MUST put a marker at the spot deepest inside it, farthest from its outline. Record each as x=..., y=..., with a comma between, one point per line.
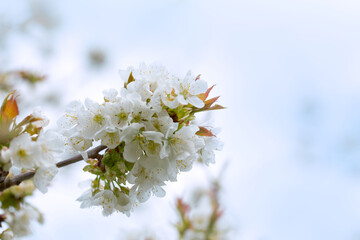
x=196, y=101
x=132, y=152
x=43, y=176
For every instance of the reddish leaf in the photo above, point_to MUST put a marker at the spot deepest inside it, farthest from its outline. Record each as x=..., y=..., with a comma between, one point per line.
x=203, y=96
x=204, y=132
x=216, y=107
x=9, y=109
x=182, y=206
x=210, y=102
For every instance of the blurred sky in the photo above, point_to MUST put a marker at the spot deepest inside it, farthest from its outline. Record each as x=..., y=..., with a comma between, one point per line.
x=287, y=71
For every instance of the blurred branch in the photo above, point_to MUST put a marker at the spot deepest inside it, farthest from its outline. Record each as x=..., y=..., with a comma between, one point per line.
x=9, y=182
x=207, y=226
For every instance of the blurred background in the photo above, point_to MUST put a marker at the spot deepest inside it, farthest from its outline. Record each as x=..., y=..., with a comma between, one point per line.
x=287, y=71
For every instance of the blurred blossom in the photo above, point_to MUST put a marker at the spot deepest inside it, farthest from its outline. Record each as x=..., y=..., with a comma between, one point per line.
x=97, y=57
x=33, y=21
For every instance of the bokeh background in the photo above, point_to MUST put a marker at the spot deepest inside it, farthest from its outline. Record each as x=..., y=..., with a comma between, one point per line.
x=287, y=71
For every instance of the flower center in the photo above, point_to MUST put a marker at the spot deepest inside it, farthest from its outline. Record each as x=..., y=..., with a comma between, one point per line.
x=123, y=116
x=22, y=153
x=99, y=118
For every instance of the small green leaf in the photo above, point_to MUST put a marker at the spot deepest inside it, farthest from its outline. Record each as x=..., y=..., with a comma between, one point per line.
x=129, y=165
x=87, y=168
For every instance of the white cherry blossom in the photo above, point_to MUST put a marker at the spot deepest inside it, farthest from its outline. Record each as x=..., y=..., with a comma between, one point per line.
x=190, y=87
x=110, y=95
x=92, y=119
x=69, y=121
x=25, y=153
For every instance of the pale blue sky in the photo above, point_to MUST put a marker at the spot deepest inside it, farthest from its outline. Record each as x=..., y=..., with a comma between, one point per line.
x=288, y=71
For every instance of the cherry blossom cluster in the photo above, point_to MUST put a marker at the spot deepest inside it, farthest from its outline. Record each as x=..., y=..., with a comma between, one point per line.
x=150, y=132
x=26, y=146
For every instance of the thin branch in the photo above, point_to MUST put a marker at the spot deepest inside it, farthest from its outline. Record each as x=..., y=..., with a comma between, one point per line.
x=9, y=182
x=92, y=153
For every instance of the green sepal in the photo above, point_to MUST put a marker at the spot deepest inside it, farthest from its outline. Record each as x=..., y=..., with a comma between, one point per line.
x=129, y=166
x=9, y=200
x=125, y=190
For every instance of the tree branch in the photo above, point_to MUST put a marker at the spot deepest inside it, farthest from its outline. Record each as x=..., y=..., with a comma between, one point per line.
x=9, y=182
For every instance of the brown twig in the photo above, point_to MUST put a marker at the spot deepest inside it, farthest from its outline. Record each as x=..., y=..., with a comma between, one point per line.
x=92, y=153
x=3, y=175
